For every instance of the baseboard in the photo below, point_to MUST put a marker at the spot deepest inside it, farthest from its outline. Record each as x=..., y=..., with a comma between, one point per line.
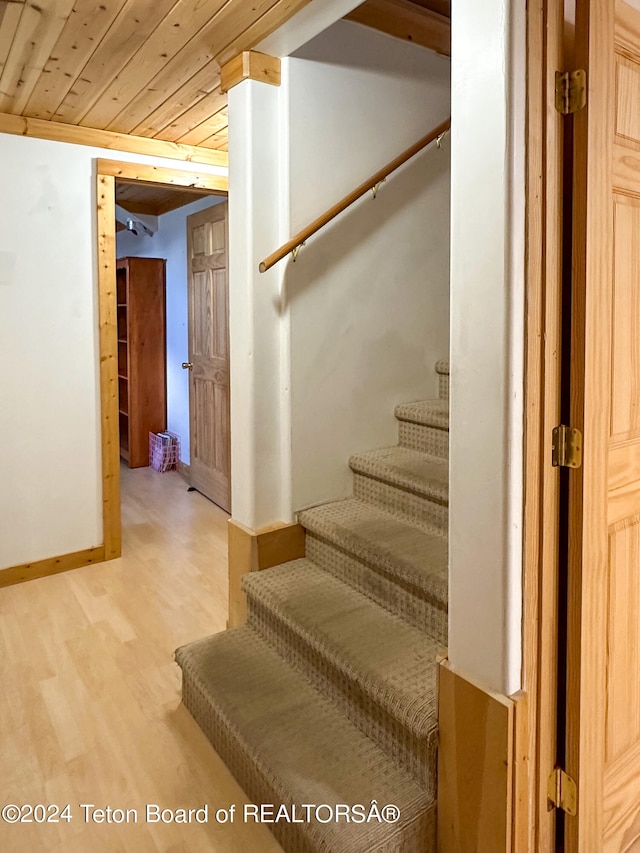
x=184, y=470
x=475, y=767
x=51, y=566
x=254, y=550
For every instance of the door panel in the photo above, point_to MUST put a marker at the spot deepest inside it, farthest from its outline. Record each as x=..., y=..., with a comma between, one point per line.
x=603, y=710
x=210, y=466
x=625, y=366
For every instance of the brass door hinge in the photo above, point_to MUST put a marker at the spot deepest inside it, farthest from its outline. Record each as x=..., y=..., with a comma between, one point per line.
x=566, y=449
x=571, y=91
x=562, y=792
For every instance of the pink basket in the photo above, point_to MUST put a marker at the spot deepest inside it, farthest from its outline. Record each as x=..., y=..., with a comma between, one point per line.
x=164, y=451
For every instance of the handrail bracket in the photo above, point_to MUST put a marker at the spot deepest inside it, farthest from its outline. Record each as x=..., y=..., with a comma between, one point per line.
x=296, y=250
x=376, y=187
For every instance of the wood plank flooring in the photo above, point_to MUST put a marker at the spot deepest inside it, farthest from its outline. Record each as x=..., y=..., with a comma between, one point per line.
x=90, y=707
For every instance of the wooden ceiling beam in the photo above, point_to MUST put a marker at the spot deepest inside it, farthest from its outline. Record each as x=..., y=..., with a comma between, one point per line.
x=59, y=132
x=405, y=20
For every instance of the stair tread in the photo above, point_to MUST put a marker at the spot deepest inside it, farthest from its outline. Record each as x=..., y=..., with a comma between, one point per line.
x=392, y=662
x=433, y=413
x=307, y=750
x=396, y=547
x=407, y=469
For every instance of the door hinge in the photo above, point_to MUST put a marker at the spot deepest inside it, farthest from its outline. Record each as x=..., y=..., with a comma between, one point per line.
x=562, y=792
x=571, y=91
x=566, y=448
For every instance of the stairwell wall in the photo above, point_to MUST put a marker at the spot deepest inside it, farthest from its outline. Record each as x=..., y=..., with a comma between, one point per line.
x=369, y=295
x=487, y=341
x=323, y=349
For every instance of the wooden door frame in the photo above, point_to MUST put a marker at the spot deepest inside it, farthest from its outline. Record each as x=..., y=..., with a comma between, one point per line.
x=536, y=711
x=107, y=171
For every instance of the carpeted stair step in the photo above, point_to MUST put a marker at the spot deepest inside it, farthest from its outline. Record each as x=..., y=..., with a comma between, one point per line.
x=442, y=369
x=404, y=482
x=379, y=670
x=424, y=426
x=397, y=564
x=287, y=744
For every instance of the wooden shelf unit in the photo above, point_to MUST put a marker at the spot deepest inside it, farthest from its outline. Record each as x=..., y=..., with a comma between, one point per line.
x=142, y=373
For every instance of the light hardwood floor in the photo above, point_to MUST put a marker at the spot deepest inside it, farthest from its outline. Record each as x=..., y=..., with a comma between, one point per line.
x=90, y=707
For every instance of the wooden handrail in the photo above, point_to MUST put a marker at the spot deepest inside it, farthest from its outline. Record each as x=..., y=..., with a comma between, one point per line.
x=372, y=184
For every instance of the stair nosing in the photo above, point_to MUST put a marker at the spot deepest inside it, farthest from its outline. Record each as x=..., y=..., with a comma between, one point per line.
x=440, y=414
x=369, y=556
x=397, y=482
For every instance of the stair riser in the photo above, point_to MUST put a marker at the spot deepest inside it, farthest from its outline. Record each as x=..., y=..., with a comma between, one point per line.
x=418, y=756
x=443, y=386
x=411, y=604
x=427, y=514
x=427, y=439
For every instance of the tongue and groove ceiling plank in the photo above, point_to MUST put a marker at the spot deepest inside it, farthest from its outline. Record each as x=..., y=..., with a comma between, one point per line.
x=36, y=34
x=210, y=108
x=190, y=93
x=84, y=31
x=10, y=14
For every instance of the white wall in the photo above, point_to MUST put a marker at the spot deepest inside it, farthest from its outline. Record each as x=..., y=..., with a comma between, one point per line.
x=369, y=295
x=258, y=322
x=50, y=468
x=170, y=242
x=487, y=315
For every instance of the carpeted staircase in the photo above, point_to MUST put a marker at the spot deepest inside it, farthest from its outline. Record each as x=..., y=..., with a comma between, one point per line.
x=328, y=694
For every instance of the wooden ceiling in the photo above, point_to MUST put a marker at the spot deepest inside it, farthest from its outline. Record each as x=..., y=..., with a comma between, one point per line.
x=441, y=7
x=148, y=68
x=156, y=199
x=422, y=22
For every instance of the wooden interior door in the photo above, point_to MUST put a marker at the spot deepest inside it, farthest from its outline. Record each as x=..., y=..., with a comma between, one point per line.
x=603, y=700
x=210, y=463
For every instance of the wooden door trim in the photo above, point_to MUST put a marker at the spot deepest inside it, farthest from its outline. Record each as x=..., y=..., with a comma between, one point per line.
x=535, y=712
x=107, y=170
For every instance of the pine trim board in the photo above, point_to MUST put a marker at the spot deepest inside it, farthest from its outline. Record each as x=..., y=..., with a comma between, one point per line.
x=51, y=566
x=255, y=550
x=59, y=132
